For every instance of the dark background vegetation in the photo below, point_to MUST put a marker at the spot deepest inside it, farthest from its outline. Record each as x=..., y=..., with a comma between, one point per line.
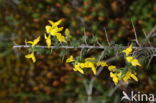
x=50, y=80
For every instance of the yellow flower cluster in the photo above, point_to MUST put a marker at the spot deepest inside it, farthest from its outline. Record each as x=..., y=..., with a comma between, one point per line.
x=91, y=63
x=80, y=66
x=128, y=50
x=54, y=30
x=35, y=41
x=130, y=75
x=31, y=55
x=88, y=63
x=131, y=59
x=117, y=76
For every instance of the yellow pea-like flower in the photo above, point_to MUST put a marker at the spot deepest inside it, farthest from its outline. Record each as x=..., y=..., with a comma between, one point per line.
x=70, y=59
x=114, y=78
x=126, y=78
x=48, y=40
x=56, y=30
x=60, y=38
x=129, y=58
x=111, y=68
x=53, y=31
x=135, y=62
x=78, y=68
x=55, y=24
x=48, y=29
x=82, y=65
x=91, y=65
x=101, y=63
x=67, y=33
x=88, y=64
x=128, y=50
x=31, y=56
x=35, y=41
x=134, y=77
x=130, y=75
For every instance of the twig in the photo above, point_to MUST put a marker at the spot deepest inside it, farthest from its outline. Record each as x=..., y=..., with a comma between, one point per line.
x=136, y=38
x=81, y=53
x=147, y=37
x=107, y=37
x=150, y=61
x=151, y=32
x=85, y=37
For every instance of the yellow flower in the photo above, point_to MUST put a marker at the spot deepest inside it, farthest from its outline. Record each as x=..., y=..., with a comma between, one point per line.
x=91, y=65
x=129, y=58
x=78, y=68
x=133, y=61
x=48, y=29
x=60, y=38
x=134, y=77
x=48, y=40
x=128, y=50
x=35, y=41
x=128, y=76
x=111, y=68
x=90, y=59
x=53, y=31
x=67, y=33
x=32, y=56
x=114, y=78
x=70, y=59
x=101, y=63
x=55, y=24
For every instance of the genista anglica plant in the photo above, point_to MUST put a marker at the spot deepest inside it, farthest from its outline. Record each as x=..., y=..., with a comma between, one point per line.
x=58, y=37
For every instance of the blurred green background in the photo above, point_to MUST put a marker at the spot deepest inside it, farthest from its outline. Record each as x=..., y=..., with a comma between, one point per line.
x=50, y=80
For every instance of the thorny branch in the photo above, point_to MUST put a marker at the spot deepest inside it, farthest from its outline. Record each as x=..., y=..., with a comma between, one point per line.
x=89, y=86
x=80, y=47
